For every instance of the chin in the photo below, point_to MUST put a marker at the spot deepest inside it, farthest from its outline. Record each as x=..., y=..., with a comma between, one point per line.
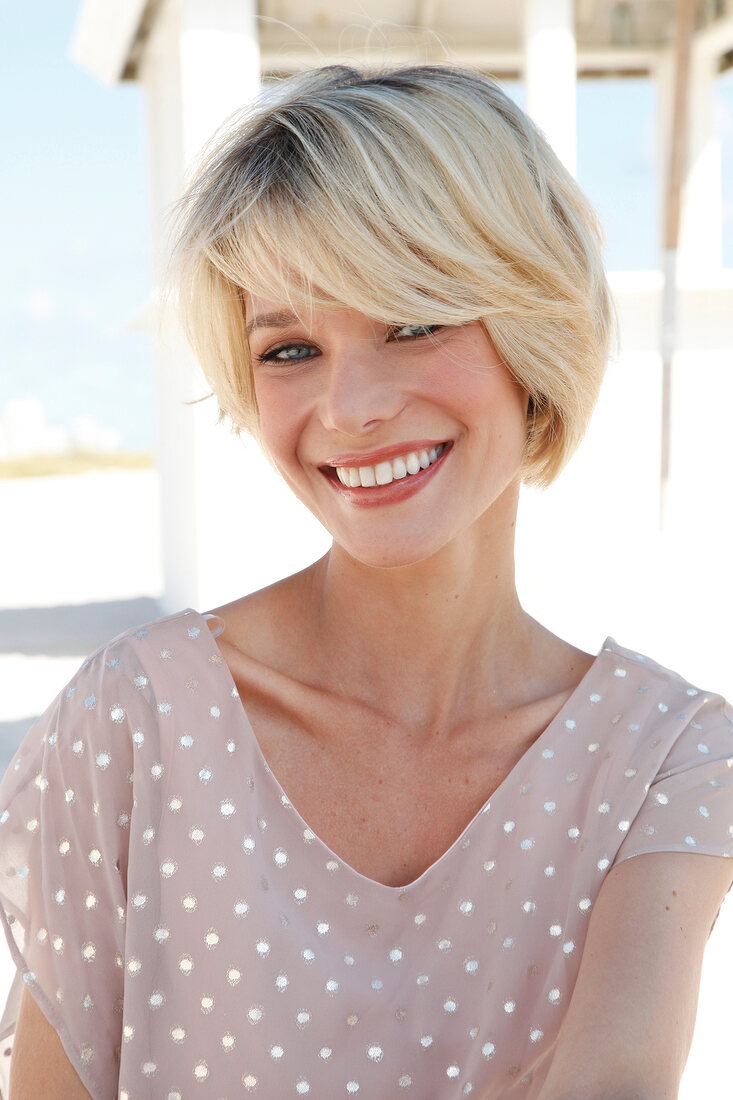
x=395, y=556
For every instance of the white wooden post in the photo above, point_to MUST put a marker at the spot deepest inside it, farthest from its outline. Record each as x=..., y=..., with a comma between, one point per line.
x=550, y=73
x=701, y=242
x=228, y=524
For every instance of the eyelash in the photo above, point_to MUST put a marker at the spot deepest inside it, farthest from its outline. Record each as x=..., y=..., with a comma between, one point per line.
x=271, y=356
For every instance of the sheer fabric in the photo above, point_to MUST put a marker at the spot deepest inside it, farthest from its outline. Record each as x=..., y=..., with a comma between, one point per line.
x=188, y=934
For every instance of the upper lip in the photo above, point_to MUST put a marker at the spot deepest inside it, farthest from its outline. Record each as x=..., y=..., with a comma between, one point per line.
x=384, y=454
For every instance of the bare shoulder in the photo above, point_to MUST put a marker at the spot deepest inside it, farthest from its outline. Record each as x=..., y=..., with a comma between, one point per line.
x=630, y=1006
x=270, y=625
x=40, y=1068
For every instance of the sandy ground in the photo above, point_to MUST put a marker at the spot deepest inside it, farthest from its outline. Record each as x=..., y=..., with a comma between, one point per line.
x=62, y=596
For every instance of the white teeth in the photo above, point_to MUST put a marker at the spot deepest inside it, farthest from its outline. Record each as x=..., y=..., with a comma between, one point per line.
x=384, y=473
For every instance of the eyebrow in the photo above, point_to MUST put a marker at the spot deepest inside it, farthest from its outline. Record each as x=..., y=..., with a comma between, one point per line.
x=270, y=320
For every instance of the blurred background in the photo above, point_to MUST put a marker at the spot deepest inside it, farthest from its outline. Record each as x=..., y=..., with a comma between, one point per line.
x=121, y=502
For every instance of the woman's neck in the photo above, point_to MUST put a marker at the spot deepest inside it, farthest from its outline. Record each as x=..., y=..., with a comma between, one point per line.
x=429, y=643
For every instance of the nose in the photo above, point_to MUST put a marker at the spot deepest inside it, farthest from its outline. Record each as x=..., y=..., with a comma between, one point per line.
x=361, y=393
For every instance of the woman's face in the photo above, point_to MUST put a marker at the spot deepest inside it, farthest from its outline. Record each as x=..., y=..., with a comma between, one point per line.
x=397, y=438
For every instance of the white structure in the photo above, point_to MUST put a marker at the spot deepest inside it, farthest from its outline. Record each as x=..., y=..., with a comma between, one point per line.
x=200, y=59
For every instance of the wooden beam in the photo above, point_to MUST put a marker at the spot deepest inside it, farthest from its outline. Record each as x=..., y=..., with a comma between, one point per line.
x=677, y=166
x=105, y=35
x=425, y=13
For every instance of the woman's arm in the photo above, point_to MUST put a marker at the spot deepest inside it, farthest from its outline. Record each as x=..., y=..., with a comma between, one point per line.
x=629, y=1026
x=39, y=1067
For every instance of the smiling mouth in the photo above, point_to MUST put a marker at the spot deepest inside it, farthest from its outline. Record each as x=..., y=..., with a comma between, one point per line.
x=399, y=468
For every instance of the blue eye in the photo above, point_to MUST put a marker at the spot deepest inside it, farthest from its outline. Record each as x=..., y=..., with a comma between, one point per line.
x=288, y=353
x=413, y=332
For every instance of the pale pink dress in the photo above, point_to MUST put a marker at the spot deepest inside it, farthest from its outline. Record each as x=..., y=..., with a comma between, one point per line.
x=188, y=935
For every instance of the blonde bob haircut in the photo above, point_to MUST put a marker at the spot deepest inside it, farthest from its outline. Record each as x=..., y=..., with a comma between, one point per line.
x=417, y=195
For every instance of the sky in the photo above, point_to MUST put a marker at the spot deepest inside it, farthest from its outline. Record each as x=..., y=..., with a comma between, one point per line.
x=74, y=216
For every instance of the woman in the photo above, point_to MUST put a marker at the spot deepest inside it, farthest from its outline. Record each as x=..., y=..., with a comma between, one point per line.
x=369, y=831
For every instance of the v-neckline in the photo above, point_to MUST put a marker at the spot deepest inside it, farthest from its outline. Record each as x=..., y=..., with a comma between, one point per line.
x=538, y=745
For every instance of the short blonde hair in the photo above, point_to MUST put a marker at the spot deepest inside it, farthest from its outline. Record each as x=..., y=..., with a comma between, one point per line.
x=416, y=195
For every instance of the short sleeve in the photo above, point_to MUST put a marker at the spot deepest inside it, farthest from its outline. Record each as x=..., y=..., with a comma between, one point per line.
x=689, y=803
x=65, y=809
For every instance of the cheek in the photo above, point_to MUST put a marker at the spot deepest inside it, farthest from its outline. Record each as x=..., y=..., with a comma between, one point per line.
x=276, y=416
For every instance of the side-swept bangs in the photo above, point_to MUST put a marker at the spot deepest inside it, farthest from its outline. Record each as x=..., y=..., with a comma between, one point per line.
x=418, y=195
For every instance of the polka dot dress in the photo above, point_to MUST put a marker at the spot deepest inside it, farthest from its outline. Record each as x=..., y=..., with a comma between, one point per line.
x=188, y=934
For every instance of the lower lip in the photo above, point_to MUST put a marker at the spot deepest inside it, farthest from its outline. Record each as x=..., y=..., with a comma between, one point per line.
x=393, y=493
